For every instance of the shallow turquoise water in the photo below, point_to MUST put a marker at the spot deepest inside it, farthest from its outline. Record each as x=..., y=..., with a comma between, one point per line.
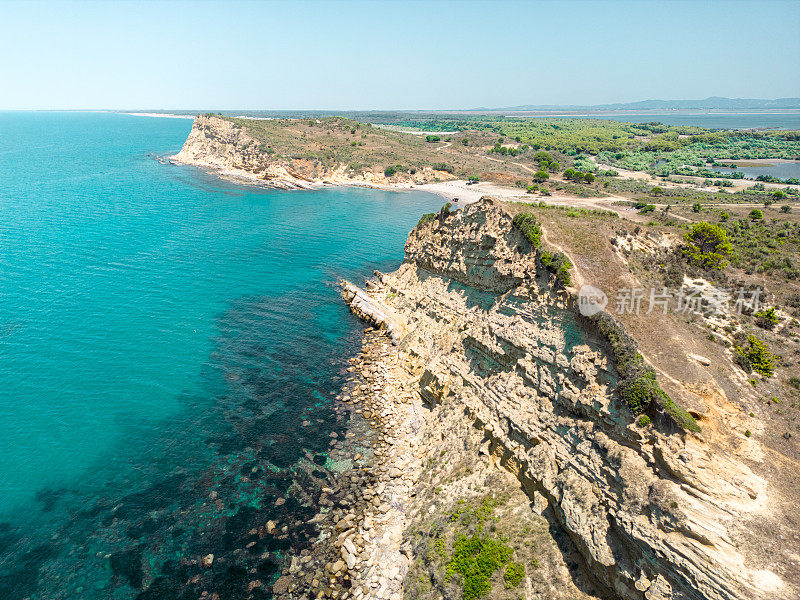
x=156, y=325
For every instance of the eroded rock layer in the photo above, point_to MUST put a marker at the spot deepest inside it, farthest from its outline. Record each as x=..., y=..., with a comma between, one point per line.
x=487, y=338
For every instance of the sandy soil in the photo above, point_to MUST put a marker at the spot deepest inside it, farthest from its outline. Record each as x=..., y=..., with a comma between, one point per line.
x=467, y=194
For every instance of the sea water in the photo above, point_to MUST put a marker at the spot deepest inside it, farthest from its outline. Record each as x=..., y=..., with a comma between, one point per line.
x=170, y=345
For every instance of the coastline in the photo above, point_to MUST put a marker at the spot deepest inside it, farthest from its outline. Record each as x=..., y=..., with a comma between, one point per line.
x=459, y=189
x=156, y=115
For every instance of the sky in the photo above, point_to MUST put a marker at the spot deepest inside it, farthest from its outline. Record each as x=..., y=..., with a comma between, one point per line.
x=391, y=55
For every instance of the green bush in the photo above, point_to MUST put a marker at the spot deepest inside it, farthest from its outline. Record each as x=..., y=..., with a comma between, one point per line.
x=639, y=388
x=389, y=171
x=644, y=421
x=527, y=224
x=756, y=215
x=476, y=559
x=443, y=167
x=757, y=355
x=426, y=218
x=766, y=319
x=558, y=264
x=697, y=207
x=515, y=573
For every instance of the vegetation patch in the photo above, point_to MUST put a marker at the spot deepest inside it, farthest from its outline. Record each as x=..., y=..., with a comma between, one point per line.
x=476, y=559
x=639, y=388
x=529, y=227
x=754, y=355
x=515, y=573
x=707, y=246
x=556, y=263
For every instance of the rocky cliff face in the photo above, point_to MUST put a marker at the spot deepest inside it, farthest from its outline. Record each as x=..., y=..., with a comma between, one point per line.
x=220, y=145
x=491, y=347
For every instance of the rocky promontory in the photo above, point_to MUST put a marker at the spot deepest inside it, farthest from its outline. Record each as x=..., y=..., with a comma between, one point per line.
x=509, y=381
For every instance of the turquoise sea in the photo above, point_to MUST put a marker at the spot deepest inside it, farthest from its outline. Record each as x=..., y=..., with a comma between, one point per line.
x=163, y=337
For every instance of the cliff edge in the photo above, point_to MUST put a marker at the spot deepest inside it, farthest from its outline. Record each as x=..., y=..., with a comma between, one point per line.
x=511, y=377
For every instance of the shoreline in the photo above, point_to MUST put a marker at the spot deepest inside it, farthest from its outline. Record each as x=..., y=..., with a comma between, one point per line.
x=157, y=115
x=458, y=190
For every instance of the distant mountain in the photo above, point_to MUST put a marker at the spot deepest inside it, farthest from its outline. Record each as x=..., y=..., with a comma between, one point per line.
x=714, y=102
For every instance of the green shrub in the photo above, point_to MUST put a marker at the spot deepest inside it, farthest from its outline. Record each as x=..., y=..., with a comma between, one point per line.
x=757, y=354
x=558, y=264
x=426, y=218
x=794, y=382
x=476, y=559
x=639, y=387
x=644, y=421
x=747, y=433
x=389, y=171
x=766, y=319
x=697, y=207
x=527, y=224
x=756, y=215
x=443, y=167
x=515, y=573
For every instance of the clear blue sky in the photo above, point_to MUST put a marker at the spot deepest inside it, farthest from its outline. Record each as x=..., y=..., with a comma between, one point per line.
x=392, y=55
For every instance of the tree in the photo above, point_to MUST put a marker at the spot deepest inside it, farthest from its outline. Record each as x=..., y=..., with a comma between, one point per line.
x=588, y=178
x=656, y=191
x=465, y=142
x=786, y=208
x=756, y=215
x=707, y=246
x=540, y=176
x=697, y=207
x=474, y=179
x=779, y=194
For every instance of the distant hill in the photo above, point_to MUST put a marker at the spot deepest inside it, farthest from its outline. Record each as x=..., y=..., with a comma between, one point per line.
x=714, y=102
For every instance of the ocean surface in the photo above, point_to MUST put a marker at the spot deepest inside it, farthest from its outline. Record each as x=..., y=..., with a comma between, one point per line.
x=169, y=348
